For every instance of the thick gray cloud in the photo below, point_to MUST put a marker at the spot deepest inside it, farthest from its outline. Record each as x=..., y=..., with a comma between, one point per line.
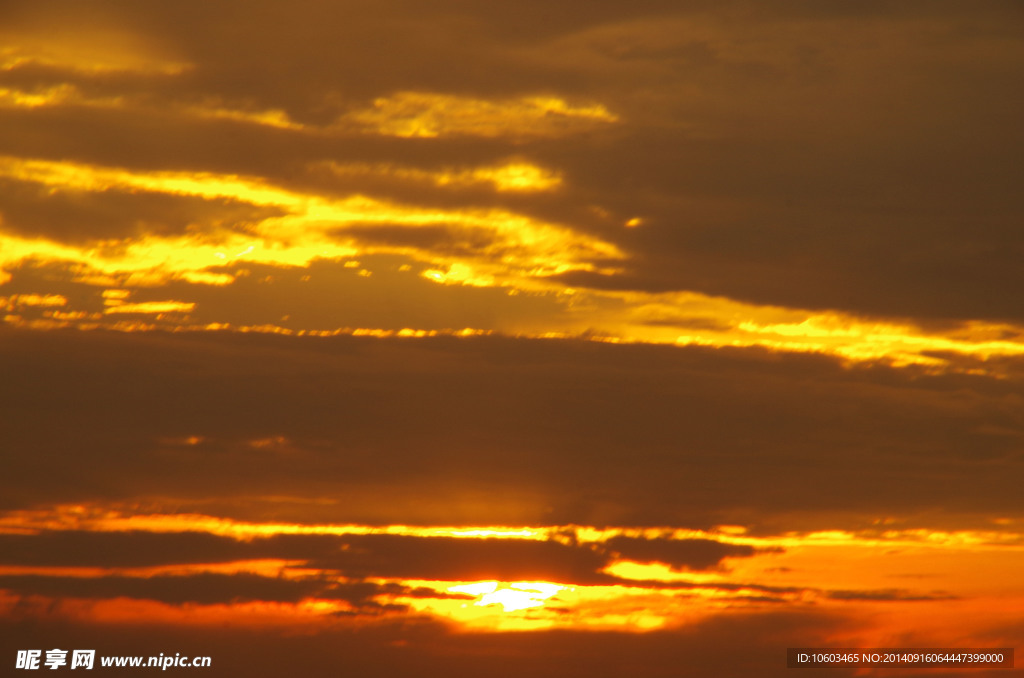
x=695, y=554
x=893, y=595
x=497, y=430
x=117, y=549
x=75, y=548
x=209, y=588
x=203, y=588
x=447, y=558
x=362, y=556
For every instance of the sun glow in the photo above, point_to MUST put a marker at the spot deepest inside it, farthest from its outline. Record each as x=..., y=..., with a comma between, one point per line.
x=518, y=595
x=833, y=570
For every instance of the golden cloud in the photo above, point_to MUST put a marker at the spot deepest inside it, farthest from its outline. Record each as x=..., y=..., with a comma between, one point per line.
x=428, y=114
x=517, y=246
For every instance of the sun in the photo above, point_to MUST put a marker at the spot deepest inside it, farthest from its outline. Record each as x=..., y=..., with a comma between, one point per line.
x=512, y=596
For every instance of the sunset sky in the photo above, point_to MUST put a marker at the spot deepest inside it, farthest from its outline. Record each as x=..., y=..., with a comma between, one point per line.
x=461, y=338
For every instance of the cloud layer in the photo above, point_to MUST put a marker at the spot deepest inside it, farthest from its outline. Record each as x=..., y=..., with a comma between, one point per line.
x=703, y=315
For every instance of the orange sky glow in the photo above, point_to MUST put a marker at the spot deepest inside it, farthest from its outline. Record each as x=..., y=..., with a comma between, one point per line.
x=466, y=338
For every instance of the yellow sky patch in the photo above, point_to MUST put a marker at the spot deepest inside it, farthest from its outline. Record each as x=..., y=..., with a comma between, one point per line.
x=152, y=307
x=517, y=176
x=508, y=250
x=12, y=302
x=691, y=318
x=405, y=114
x=521, y=246
x=429, y=114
